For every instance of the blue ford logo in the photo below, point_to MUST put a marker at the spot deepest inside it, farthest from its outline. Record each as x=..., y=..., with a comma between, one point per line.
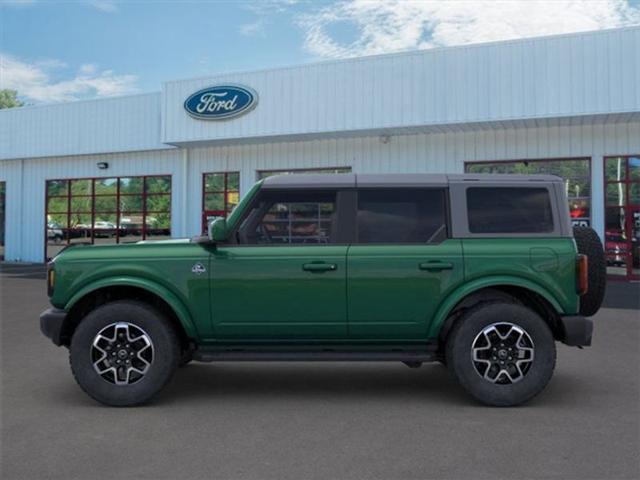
x=221, y=102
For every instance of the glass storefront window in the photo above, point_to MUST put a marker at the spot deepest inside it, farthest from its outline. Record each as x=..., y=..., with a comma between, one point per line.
x=107, y=210
x=576, y=173
x=3, y=188
x=622, y=216
x=220, y=195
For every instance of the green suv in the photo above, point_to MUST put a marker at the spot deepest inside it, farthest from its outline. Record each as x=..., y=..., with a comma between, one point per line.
x=482, y=273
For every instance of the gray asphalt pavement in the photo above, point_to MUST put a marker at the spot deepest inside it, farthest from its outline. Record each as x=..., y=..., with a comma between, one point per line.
x=299, y=421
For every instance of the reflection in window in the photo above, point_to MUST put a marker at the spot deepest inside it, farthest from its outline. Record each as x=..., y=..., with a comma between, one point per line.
x=622, y=217
x=291, y=219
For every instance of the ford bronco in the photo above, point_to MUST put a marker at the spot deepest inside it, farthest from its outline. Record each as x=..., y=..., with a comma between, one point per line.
x=483, y=273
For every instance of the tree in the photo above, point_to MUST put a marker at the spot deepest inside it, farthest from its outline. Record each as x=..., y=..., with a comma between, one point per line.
x=9, y=99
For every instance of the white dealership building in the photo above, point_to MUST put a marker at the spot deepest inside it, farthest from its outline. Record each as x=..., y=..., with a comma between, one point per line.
x=159, y=164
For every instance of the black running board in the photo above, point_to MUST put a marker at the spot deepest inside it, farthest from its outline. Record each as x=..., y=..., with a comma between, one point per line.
x=248, y=355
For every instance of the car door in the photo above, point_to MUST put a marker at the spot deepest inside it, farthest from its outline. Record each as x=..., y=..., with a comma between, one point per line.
x=402, y=263
x=285, y=278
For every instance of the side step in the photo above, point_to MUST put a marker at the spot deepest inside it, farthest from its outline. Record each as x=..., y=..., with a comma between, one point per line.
x=253, y=355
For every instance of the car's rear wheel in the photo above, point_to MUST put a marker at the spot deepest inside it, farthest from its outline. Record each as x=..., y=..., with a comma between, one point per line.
x=503, y=354
x=123, y=353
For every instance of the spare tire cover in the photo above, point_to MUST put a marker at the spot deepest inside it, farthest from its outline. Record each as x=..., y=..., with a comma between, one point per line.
x=589, y=244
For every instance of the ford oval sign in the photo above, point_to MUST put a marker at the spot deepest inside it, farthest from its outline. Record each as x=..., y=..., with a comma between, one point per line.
x=221, y=102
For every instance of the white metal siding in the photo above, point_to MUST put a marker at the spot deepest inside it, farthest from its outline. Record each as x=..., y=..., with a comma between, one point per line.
x=26, y=202
x=435, y=152
x=562, y=76
x=97, y=126
x=422, y=152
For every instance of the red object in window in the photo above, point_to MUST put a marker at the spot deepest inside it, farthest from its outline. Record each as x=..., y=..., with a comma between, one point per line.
x=577, y=212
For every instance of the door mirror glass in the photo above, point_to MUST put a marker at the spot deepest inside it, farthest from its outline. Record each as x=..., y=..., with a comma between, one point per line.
x=218, y=230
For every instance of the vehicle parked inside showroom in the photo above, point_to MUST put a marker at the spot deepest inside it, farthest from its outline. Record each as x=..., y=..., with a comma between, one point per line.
x=483, y=273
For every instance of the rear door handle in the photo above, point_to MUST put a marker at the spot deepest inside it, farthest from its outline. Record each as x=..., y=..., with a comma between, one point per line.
x=319, y=267
x=435, y=266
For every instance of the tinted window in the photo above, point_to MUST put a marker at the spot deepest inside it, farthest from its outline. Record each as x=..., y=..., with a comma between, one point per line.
x=401, y=216
x=509, y=210
x=291, y=218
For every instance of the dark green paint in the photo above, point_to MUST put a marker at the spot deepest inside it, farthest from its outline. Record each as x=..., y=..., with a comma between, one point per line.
x=318, y=293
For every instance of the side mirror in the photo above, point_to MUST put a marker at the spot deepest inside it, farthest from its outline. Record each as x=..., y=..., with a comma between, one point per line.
x=218, y=230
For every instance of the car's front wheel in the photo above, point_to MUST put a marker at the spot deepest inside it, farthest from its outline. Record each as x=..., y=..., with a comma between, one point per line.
x=124, y=352
x=503, y=354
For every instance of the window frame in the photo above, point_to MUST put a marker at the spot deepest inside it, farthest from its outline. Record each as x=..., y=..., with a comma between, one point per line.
x=144, y=212
x=446, y=206
x=3, y=216
x=627, y=207
x=225, y=192
x=310, y=171
x=460, y=214
x=588, y=177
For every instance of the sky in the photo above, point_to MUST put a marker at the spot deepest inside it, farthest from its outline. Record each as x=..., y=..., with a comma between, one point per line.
x=58, y=51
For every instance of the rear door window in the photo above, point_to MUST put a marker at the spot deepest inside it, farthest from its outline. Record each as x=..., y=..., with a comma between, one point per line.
x=402, y=216
x=509, y=210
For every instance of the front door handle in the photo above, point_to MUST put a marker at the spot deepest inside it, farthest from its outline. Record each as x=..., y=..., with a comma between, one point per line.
x=435, y=266
x=319, y=267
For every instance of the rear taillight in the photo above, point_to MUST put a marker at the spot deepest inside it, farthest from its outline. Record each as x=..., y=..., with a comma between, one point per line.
x=582, y=274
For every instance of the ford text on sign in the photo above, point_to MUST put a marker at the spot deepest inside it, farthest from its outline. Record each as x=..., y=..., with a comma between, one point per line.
x=221, y=102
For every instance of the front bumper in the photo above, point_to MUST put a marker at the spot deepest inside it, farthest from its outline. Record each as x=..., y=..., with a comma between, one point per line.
x=576, y=330
x=51, y=322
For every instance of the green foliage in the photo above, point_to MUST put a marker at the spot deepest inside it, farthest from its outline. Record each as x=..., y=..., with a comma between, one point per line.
x=9, y=99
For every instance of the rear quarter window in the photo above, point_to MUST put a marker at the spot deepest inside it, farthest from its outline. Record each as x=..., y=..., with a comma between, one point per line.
x=509, y=210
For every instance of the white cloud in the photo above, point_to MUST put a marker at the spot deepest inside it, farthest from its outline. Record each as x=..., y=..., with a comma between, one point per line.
x=395, y=25
x=108, y=6
x=264, y=7
x=253, y=29
x=35, y=81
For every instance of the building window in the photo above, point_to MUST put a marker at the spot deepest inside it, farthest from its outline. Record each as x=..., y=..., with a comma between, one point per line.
x=3, y=187
x=622, y=216
x=107, y=210
x=269, y=173
x=220, y=195
x=576, y=173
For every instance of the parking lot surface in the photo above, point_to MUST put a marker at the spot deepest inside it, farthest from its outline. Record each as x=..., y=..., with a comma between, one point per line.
x=316, y=420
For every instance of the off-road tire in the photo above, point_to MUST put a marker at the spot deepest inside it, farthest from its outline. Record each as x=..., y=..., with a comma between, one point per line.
x=166, y=353
x=589, y=244
x=460, y=360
